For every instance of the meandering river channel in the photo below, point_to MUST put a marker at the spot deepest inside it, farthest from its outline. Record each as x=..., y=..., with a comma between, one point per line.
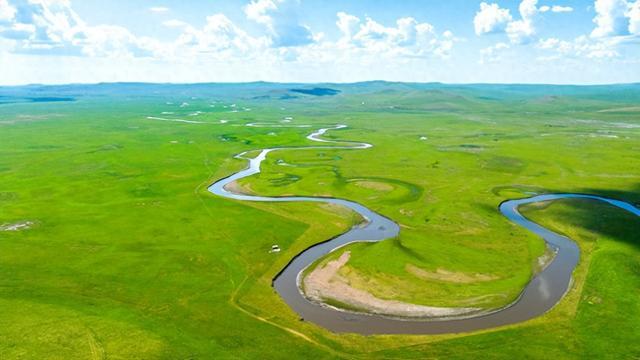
x=543, y=291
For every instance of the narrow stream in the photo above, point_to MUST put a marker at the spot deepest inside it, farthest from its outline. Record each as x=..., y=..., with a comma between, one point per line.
x=543, y=291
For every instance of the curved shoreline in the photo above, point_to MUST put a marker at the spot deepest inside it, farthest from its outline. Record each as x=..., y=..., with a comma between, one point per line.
x=543, y=291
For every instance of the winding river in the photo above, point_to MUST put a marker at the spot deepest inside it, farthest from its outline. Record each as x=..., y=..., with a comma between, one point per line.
x=543, y=291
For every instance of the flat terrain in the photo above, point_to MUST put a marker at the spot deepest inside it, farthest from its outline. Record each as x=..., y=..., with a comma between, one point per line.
x=111, y=247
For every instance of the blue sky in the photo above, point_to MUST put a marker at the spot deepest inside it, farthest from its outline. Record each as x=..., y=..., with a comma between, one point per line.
x=457, y=41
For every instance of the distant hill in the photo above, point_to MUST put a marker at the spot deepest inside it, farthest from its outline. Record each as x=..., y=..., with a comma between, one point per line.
x=296, y=91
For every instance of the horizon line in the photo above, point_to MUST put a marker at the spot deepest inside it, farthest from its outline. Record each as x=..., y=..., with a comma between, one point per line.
x=318, y=83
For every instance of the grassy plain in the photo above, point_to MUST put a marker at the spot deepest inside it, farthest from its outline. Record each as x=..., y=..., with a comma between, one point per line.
x=130, y=257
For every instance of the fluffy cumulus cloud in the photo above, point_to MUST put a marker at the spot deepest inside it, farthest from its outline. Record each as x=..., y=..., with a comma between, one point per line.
x=616, y=21
x=281, y=20
x=408, y=38
x=490, y=19
x=616, y=18
x=582, y=46
x=53, y=27
x=634, y=18
x=220, y=39
x=7, y=12
x=348, y=25
x=523, y=30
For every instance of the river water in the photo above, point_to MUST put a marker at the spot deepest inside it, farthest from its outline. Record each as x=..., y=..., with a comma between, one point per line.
x=543, y=291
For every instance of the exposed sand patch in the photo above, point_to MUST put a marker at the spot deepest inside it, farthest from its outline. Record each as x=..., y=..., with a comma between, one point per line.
x=545, y=259
x=23, y=225
x=373, y=185
x=448, y=276
x=324, y=283
x=483, y=299
x=238, y=188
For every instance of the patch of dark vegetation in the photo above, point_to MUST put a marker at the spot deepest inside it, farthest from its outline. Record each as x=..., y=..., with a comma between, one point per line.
x=413, y=191
x=44, y=147
x=145, y=191
x=120, y=176
x=286, y=179
x=596, y=218
x=317, y=91
x=470, y=148
x=8, y=196
x=397, y=243
x=631, y=196
x=107, y=147
x=225, y=137
x=498, y=136
x=504, y=164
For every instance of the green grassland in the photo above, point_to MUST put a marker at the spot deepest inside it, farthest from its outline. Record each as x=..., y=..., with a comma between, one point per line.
x=130, y=257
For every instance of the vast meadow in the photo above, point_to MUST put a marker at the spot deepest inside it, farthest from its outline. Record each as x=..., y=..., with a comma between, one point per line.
x=112, y=247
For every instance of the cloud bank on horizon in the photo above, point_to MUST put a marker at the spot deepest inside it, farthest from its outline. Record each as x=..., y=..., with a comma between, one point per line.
x=556, y=41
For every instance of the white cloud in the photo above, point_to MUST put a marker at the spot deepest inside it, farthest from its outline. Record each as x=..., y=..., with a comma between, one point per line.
x=18, y=31
x=53, y=27
x=555, y=9
x=116, y=41
x=582, y=46
x=220, y=38
x=7, y=12
x=159, y=9
x=257, y=11
x=491, y=18
x=281, y=20
x=561, y=9
x=634, y=18
x=610, y=18
x=617, y=22
x=348, y=25
x=408, y=38
x=492, y=53
x=522, y=31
